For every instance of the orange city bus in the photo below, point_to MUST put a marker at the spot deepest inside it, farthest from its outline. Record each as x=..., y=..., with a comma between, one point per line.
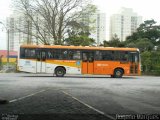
x=61, y=60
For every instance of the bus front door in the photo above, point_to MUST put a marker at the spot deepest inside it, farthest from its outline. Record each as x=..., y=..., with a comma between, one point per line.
x=134, y=62
x=87, y=63
x=41, y=61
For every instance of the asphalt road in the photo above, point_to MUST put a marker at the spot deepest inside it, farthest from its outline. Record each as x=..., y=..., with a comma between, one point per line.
x=42, y=96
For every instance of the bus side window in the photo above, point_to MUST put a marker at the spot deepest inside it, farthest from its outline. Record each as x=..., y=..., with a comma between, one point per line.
x=117, y=55
x=90, y=57
x=43, y=55
x=107, y=55
x=98, y=55
x=64, y=54
x=124, y=56
x=58, y=54
x=38, y=55
x=74, y=55
x=22, y=52
x=77, y=55
x=84, y=57
x=30, y=53
x=50, y=54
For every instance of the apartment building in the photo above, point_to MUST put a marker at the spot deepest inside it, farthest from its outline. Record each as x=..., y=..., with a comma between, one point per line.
x=96, y=25
x=19, y=27
x=124, y=23
x=99, y=34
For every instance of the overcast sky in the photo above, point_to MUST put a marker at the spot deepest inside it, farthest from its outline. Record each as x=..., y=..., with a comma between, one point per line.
x=4, y=12
x=148, y=9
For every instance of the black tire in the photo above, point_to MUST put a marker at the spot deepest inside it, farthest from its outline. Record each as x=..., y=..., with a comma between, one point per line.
x=60, y=72
x=118, y=73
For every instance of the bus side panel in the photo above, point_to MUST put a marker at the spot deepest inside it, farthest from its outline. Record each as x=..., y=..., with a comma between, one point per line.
x=120, y=65
x=103, y=67
x=84, y=67
x=27, y=65
x=90, y=67
x=108, y=67
x=72, y=67
x=41, y=67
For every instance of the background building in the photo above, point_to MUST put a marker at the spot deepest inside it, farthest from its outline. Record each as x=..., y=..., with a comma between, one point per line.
x=99, y=32
x=96, y=25
x=124, y=23
x=18, y=26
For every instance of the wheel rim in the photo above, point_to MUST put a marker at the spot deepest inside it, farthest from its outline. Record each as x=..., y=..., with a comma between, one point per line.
x=60, y=72
x=118, y=73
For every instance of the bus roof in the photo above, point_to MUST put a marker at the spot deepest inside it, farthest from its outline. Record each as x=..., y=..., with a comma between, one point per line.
x=79, y=47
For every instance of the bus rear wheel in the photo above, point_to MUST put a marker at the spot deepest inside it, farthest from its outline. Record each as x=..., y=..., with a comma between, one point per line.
x=118, y=73
x=60, y=72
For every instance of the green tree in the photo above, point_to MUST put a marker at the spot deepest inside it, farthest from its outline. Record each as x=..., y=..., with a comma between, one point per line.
x=158, y=48
x=79, y=39
x=114, y=42
x=144, y=44
x=147, y=38
x=48, y=18
x=155, y=66
x=105, y=44
x=146, y=61
x=148, y=30
x=79, y=30
x=132, y=38
x=131, y=45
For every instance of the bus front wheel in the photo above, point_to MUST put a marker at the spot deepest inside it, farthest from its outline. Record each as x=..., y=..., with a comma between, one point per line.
x=118, y=73
x=60, y=72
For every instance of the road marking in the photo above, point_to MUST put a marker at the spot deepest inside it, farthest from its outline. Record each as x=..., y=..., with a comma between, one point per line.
x=100, y=112
x=21, y=98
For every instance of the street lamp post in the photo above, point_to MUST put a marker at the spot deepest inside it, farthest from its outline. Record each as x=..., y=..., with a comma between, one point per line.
x=7, y=43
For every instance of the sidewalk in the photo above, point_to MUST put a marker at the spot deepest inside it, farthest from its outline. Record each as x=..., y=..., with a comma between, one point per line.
x=8, y=69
